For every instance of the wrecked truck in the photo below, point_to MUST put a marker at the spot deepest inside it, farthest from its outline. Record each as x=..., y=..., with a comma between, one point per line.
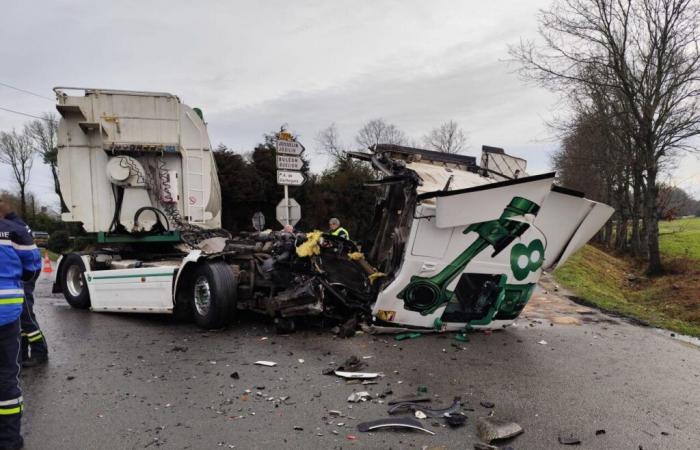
x=457, y=244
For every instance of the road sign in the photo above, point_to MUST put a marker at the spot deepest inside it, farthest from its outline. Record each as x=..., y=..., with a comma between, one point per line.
x=289, y=147
x=288, y=212
x=288, y=178
x=287, y=162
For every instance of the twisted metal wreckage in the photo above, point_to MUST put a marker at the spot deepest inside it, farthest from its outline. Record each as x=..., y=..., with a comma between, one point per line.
x=456, y=244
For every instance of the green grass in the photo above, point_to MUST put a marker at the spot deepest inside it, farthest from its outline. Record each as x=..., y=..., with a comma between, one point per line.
x=680, y=238
x=671, y=301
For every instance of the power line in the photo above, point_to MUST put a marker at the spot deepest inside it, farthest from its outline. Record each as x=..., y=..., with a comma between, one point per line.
x=26, y=91
x=23, y=114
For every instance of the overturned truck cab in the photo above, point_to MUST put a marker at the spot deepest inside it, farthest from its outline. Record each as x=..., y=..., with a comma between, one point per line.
x=463, y=246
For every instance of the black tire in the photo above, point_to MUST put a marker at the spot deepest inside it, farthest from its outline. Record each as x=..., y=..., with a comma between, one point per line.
x=213, y=294
x=72, y=280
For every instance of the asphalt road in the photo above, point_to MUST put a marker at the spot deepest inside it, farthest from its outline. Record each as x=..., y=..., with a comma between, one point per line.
x=138, y=381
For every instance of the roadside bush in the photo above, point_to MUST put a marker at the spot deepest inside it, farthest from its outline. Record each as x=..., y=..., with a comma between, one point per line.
x=59, y=241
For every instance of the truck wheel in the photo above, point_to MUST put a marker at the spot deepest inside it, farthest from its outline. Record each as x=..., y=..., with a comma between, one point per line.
x=73, y=281
x=213, y=294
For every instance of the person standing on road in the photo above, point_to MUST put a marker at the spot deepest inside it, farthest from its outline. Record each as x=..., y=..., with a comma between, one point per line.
x=337, y=230
x=34, y=349
x=18, y=261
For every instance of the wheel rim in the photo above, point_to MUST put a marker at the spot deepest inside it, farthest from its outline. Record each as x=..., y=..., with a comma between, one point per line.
x=74, y=281
x=202, y=296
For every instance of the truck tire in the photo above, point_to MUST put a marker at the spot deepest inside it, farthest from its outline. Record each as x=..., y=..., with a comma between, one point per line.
x=214, y=288
x=72, y=279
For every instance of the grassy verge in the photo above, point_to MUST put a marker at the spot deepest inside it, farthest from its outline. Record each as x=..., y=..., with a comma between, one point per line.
x=616, y=284
x=680, y=238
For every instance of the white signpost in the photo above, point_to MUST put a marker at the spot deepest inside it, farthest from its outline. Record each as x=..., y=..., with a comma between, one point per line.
x=289, y=147
x=289, y=162
x=288, y=211
x=290, y=178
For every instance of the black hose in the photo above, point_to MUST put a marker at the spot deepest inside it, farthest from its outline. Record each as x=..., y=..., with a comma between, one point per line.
x=157, y=212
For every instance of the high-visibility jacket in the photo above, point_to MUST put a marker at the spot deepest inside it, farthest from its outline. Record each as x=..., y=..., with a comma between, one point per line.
x=341, y=232
x=20, y=260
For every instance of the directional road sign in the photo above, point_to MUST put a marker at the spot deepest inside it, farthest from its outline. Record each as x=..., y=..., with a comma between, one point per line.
x=288, y=178
x=289, y=147
x=287, y=162
x=288, y=212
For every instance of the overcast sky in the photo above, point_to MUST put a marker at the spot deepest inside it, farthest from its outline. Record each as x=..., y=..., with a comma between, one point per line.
x=252, y=66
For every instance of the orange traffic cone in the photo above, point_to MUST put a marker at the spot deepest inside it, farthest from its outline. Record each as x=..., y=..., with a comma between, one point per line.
x=47, y=263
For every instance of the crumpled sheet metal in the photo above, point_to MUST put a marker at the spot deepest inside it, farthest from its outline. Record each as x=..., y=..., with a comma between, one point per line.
x=393, y=422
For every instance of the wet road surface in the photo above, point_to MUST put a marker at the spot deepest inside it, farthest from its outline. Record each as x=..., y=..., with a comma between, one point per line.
x=139, y=381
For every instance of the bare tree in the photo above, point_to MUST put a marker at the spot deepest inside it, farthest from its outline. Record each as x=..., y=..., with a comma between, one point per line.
x=643, y=56
x=16, y=150
x=377, y=131
x=447, y=138
x=328, y=143
x=44, y=135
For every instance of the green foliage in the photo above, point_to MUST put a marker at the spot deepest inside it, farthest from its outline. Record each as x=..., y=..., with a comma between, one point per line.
x=59, y=241
x=249, y=184
x=616, y=285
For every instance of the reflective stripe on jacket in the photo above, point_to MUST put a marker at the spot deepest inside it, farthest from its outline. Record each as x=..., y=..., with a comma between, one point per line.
x=19, y=259
x=341, y=232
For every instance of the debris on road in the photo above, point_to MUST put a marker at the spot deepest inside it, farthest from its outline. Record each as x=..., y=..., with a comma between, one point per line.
x=235, y=376
x=455, y=420
x=482, y=446
x=420, y=414
x=422, y=389
x=357, y=375
x=414, y=399
x=265, y=363
x=599, y=432
x=492, y=429
x=357, y=397
x=393, y=422
x=487, y=404
x=454, y=408
x=404, y=336
x=569, y=440
x=542, y=342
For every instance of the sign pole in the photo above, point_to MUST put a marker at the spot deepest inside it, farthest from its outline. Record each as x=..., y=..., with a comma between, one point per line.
x=286, y=203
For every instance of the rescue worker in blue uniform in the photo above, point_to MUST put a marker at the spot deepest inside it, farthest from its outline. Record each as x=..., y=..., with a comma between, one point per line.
x=337, y=230
x=34, y=349
x=19, y=261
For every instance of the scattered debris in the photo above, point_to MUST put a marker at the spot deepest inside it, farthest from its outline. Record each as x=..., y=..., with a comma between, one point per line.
x=178, y=348
x=301, y=361
x=492, y=428
x=462, y=337
x=487, y=404
x=235, y=376
x=569, y=440
x=455, y=420
x=415, y=399
x=420, y=414
x=298, y=428
x=403, y=336
x=358, y=375
x=392, y=422
x=482, y=446
x=70, y=377
x=422, y=389
x=265, y=363
x=356, y=397
x=334, y=413
x=454, y=408
x=599, y=432
x=542, y=342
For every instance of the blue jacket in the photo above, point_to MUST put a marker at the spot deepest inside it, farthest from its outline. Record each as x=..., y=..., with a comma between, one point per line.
x=20, y=260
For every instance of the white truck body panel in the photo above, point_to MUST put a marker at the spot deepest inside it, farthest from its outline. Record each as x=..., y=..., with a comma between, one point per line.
x=144, y=289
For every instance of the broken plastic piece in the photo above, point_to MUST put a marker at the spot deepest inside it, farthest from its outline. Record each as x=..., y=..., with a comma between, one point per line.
x=422, y=389
x=455, y=420
x=569, y=440
x=487, y=404
x=392, y=422
x=410, y=400
x=356, y=397
x=462, y=337
x=403, y=336
x=482, y=446
x=491, y=429
x=358, y=375
x=420, y=414
x=265, y=363
x=454, y=408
